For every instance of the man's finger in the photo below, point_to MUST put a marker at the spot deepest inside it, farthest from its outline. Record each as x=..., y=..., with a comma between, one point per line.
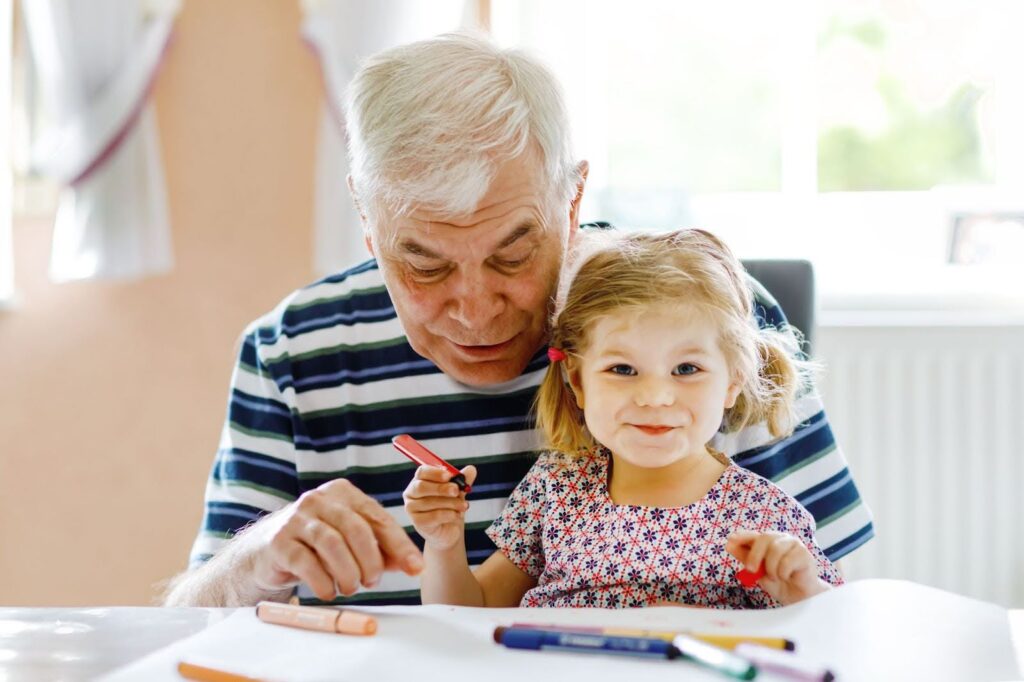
x=395, y=545
x=331, y=548
x=301, y=561
x=355, y=550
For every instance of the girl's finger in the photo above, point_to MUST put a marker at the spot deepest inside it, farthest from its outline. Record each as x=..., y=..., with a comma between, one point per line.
x=425, y=505
x=420, y=489
x=777, y=548
x=435, y=474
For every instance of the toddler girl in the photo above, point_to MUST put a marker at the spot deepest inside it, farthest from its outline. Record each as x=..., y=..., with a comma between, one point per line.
x=654, y=349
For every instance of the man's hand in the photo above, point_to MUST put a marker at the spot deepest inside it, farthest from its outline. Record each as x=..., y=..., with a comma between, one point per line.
x=436, y=506
x=334, y=535
x=790, y=572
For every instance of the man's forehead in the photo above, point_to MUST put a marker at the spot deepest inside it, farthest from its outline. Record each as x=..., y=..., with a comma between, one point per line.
x=425, y=242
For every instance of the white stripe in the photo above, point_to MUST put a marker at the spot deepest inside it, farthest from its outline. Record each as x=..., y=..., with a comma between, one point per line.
x=244, y=495
x=843, y=527
x=808, y=476
x=458, y=450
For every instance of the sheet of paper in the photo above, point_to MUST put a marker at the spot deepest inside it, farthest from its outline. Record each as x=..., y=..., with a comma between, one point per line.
x=874, y=629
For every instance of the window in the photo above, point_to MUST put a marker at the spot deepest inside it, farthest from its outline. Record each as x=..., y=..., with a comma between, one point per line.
x=856, y=134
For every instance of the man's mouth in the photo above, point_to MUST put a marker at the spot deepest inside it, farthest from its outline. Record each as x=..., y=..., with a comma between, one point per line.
x=483, y=350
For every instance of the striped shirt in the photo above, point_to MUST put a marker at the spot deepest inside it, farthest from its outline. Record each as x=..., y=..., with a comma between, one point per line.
x=324, y=381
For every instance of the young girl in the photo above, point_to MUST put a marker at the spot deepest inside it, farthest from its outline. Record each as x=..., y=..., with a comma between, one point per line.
x=654, y=350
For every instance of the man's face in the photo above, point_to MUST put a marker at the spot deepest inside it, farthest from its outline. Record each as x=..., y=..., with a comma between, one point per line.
x=472, y=293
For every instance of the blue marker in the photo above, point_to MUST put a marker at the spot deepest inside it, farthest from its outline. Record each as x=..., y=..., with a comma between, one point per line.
x=583, y=642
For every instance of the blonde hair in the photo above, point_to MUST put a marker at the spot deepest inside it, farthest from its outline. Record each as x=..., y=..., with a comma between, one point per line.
x=429, y=124
x=692, y=267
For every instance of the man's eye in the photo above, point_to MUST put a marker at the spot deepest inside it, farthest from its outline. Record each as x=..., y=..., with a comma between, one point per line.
x=686, y=369
x=427, y=273
x=622, y=370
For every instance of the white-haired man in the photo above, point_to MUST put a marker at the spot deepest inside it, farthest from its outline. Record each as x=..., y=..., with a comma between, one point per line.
x=469, y=195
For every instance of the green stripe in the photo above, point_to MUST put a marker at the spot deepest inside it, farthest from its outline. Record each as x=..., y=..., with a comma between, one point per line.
x=800, y=465
x=238, y=483
x=255, y=371
x=835, y=515
x=408, y=466
x=334, y=299
x=260, y=434
x=340, y=348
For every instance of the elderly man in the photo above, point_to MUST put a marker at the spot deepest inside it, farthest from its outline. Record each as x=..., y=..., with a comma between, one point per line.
x=469, y=196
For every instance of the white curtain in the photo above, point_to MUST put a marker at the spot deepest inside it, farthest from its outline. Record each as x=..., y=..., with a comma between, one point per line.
x=93, y=66
x=342, y=32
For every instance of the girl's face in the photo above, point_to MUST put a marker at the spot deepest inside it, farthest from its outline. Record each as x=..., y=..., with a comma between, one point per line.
x=653, y=383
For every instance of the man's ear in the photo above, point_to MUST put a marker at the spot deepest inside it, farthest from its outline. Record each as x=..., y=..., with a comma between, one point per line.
x=574, y=205
x=572, y=371
x=362, y=216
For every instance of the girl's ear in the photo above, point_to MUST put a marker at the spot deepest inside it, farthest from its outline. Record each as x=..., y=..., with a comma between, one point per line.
x=572, y=371
x=732, y=393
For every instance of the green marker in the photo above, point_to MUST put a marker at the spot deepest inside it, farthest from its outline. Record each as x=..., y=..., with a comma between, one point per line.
x=714, y=657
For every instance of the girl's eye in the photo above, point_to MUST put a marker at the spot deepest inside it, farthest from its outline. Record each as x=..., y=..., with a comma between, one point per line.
x=685, y=369
x=622, y=370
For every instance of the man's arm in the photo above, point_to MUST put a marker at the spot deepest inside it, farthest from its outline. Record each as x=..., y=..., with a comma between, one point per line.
x=334, y=538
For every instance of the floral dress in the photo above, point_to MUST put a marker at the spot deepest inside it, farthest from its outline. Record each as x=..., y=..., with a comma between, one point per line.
x=561, y=527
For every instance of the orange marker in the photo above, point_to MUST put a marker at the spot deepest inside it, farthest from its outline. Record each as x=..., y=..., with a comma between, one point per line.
x=315, y=618
x=200, y=673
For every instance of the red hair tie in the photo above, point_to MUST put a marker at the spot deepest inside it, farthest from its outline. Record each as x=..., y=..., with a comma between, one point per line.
x=556, y=354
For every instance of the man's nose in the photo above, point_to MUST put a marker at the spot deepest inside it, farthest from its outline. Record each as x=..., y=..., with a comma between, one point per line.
x=477, y=300
x=654, y=392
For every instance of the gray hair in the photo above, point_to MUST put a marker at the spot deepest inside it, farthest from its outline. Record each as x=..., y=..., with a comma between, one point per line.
x=430, y=122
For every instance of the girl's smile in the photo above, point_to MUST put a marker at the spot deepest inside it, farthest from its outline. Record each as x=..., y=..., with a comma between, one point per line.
x=653, y=383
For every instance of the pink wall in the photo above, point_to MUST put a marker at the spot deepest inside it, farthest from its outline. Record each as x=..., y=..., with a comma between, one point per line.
x=113, y=393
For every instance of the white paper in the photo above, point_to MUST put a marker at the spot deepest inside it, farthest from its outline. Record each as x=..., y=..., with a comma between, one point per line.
x=868, y=630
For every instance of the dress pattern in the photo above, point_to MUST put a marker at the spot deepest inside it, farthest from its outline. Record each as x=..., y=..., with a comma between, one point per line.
x=561, y=527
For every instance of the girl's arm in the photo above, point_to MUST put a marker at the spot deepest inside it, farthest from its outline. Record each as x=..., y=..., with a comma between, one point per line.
x=446, y=579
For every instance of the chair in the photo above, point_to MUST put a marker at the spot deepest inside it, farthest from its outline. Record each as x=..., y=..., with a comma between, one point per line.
x=791, y=283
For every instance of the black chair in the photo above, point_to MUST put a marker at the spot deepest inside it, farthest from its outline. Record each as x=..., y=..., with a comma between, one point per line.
x=791, y=283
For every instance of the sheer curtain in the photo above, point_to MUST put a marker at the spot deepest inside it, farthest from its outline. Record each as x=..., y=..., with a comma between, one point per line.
x=93, y=65
x=341, y=32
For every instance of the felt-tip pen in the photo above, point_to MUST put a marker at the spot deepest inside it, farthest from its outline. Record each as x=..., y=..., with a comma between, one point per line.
x=726, y=641
x=578, y=642
x=417, y=452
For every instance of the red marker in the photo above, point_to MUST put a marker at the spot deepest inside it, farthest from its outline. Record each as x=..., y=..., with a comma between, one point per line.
x=750, y=578
x=414, y=450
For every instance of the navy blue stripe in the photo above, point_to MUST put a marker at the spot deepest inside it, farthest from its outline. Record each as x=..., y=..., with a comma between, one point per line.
x=850, y=543
x=253, y=469
x=338, y=277
x=259, y=415
x=334, y=430
x=794, y=450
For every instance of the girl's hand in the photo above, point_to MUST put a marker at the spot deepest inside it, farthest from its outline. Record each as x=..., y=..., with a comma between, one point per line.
x=437, y=508
x=790, y=572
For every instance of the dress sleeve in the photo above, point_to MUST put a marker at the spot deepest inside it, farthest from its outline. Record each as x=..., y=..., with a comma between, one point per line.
x=254, y=471
x=519, y=529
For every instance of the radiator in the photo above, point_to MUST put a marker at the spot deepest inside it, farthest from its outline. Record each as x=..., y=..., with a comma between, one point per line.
x=931, y=420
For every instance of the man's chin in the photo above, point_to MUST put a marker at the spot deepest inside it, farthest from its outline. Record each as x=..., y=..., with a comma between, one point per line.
x=484, y=373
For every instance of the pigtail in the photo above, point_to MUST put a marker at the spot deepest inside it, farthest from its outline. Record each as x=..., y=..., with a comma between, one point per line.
x=558, y=416
x=783, y=374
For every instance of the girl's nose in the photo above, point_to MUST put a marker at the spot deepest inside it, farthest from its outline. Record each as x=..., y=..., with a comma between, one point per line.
x=654, y=392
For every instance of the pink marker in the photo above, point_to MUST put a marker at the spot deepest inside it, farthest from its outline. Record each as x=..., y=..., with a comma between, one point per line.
x=750, y=578
x=417, y=452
